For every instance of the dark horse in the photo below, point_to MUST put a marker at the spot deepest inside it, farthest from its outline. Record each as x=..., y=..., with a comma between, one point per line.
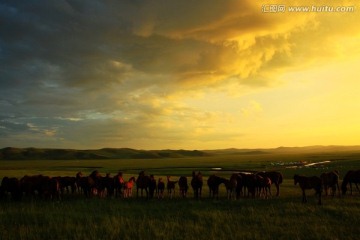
x=330, y=180
x=142, y=183
x=350, y=177
x=214, y=183
x=183, y=186
x=196, y=184
x=275, y=177
x=309, y=183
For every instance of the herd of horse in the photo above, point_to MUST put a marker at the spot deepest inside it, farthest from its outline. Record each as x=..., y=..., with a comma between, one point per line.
x=241, y=184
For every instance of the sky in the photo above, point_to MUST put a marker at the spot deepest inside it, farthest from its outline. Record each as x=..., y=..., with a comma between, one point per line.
x=162, y=74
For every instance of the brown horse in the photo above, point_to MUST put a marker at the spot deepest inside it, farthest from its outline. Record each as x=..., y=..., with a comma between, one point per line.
x=152, y=186
x=330, y=180
x=183, y=186
x=263, y=184
x=118, y=184
x=160, y=188
x=66, y=183
x=214, y=183
x=170, y=186
x=249, y=182
x=106, y=186
x=309, y=183
x=86, y=184
x=196, y=184
x=128, y=186
x=230, y=185
x=239, y=185
x=142, y=183
x=275, y=177
x=350, y=177
x=12, y=186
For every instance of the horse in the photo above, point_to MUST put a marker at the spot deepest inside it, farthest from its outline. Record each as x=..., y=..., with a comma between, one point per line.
x=309, y=183
x=183, y=186
x=239, y=185
x=49, y=188
x=160, y=188
x=350, y=177
x=230, y=185
x=118, y=184
x=128, y=187
x=249, y=181
x=170, y=186
x=31, y=185
x=106, y=183
x=263, y=184
x=214, y=183
x=40, y=186
x=196, y=184
x=330, y=180
x=12, y=186
x=65, y=183
x=275, y=177
x=86, y=184
x=142, y=183
x=152, y=186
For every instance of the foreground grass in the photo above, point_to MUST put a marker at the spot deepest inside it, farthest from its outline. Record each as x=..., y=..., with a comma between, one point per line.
x=75, y=217
x=276, y=218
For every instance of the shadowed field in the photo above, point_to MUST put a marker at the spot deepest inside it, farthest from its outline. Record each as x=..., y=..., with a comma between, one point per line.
x=285, y=217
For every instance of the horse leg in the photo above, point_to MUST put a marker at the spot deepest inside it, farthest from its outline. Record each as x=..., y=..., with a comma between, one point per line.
x=338, y=188
x=304, y=200
x=277, y=189
x=333, y=190
x=319, y=196
x=357, y=187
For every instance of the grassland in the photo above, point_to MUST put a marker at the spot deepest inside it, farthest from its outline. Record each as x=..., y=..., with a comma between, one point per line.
x=285, y=217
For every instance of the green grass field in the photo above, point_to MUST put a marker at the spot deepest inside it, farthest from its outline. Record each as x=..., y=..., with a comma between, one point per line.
x=285, y=217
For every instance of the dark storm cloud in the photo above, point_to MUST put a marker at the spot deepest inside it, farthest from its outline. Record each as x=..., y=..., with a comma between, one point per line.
x=67, y=67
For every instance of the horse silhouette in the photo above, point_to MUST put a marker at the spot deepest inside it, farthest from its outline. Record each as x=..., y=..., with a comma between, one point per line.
x=128, y=186
x=160, y=188
x=275, y=177
x=183, y=186
x=142, y=183
x=170, y=186
x=118, y=184
x=196, y=184
x=263, y=185
x=313, y=182
x=350, y=178
x=11, y=186
x=214, y=183
x=330, y=180
x=230, y=185
x=152, y=186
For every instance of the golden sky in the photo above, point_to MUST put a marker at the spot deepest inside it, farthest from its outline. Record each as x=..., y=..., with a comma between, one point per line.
x=179, y=74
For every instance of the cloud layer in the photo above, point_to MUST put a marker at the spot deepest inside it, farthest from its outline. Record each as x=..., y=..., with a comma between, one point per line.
x=123, y=73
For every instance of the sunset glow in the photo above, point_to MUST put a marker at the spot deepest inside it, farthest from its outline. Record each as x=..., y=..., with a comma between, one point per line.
x=178, y=74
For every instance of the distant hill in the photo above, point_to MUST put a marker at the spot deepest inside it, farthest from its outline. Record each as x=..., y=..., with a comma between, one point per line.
x=307, y=149
x=10, y=153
